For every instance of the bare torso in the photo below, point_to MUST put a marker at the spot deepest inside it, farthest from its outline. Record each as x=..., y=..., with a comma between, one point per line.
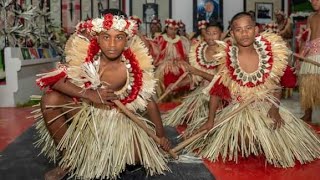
x=314, y=26
x=249, y=62
x=114, y=73
x=210, y=52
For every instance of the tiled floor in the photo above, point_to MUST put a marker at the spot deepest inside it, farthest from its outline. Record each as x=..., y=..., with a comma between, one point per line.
x=14, y=122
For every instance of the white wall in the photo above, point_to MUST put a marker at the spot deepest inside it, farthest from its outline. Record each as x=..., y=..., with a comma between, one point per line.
x=230, y=8
x=183, y=9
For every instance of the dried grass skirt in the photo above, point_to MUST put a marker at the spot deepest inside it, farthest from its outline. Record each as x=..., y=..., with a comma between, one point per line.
x=100, y=143
x=250, y=132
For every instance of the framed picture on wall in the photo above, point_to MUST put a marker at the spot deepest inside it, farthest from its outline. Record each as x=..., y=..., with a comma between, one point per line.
x=258, y=6
x=264, y=12
x=208, y=10
x=149, y=12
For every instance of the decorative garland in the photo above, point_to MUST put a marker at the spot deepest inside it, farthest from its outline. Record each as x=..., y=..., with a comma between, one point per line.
x=201, y=58
x=135, y=83
x=263, y=48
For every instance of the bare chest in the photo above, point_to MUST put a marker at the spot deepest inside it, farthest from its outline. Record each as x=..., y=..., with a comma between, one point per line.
x=249, y=63
x=115, y=77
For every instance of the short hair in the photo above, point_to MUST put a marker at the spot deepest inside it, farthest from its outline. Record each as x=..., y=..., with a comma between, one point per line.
x=115, y=12
x=208, y=1
x=215, y=24
x=240, y=15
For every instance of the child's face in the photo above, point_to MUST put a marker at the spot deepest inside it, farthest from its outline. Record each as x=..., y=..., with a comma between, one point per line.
x=212, y=33
x=171, y=31
x=315, y=4
x=244, y=31
x=112, y=43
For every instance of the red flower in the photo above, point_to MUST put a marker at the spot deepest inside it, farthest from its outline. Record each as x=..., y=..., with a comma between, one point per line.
x=87, y=84
x=107, y=23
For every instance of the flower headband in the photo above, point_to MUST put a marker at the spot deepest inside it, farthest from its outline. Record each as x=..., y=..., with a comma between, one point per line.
x=202, y=24
x=181, y=24
x=171, y=23
x=107, y=22
x=135, y=18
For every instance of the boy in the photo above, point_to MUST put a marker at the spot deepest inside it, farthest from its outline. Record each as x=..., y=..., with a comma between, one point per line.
x=250, y=80
x=96, y=140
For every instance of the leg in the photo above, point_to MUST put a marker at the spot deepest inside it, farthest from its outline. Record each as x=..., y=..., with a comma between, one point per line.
x=307, y=115
x=56, y=128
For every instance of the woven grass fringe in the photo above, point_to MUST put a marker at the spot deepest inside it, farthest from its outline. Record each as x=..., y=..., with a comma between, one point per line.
x=194, y=106
x=250, y=132
x=99, y=143
x=309, y=88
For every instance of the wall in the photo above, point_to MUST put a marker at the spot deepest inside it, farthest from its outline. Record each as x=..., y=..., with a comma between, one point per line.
x=183, y=9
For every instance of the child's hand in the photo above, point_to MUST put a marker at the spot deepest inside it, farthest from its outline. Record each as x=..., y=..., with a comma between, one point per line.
x=275, y=116
x=165, y=144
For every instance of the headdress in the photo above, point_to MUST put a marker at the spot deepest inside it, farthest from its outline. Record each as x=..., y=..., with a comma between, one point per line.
x=279, y=12
x=107, y=22
x=181, y=24
x=171, y=23
x=202, y=24
x=135, y=18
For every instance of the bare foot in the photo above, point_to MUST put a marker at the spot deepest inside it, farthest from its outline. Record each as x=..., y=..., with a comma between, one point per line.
x=306, y=118
x=55, y=174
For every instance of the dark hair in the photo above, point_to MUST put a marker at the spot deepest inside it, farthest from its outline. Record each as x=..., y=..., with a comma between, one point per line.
x=208, y=1
x=117, y=12
x=215, y=24
x=240, y=15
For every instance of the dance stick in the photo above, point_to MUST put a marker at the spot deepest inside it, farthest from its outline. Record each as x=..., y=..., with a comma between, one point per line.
x=221, y=122
x=135, y=119
x=306, y=59
x=173, y=85
x=169, y=89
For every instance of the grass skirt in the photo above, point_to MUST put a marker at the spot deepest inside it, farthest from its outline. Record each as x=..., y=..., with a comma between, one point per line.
x=100, y=143
x=193, y=107
x=250, y=132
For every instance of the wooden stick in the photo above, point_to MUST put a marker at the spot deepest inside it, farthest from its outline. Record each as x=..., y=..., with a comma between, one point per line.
x=221, y=122
x=173, y=85
x=306, y=59
x=135, y=119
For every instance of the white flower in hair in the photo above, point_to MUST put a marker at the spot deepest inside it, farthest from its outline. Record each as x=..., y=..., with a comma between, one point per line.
x=119, y=23
x=97, y=25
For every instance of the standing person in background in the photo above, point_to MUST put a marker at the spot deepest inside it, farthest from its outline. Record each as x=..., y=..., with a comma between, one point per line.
x=310, y=74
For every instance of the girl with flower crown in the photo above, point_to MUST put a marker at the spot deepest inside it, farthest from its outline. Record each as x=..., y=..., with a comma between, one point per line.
x=172, y=52
x=78, y=117
x=253, y=122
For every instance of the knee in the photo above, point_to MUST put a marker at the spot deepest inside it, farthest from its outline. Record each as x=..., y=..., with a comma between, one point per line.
x=53, y=98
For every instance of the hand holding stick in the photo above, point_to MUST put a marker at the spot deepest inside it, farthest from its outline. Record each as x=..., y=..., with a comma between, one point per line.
x=135, y=119
x=173, y=85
